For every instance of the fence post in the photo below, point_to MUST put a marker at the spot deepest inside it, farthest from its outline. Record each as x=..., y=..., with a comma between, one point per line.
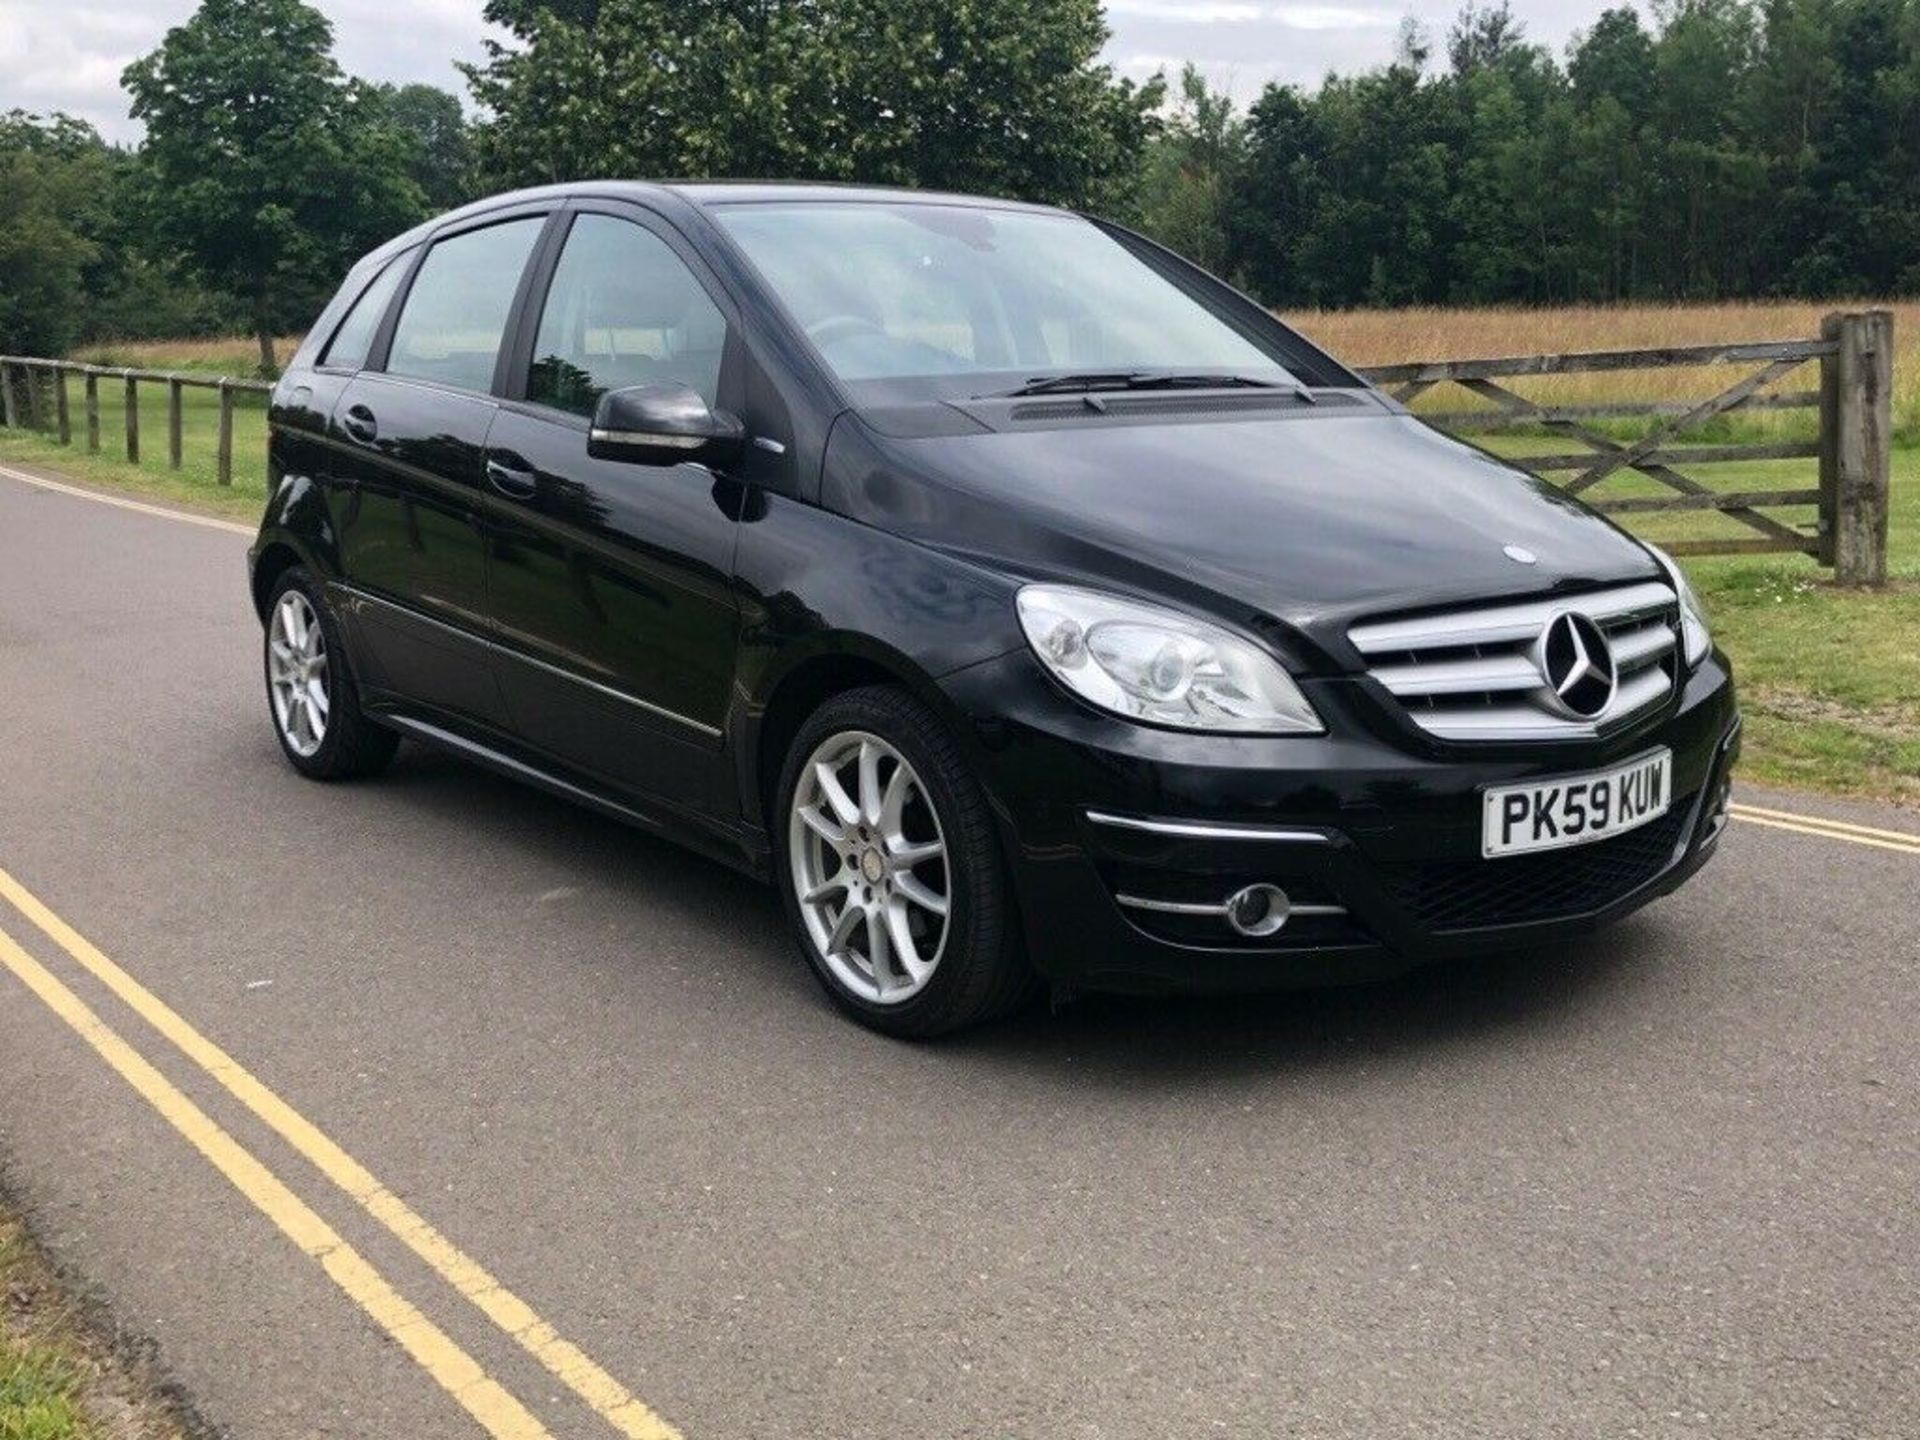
x=7, y=404
x=93, y=411
x=30, y=378
x=133, y=418
x=1856, y=430
x=226, y=433
x=174, y=402
x=62, y=416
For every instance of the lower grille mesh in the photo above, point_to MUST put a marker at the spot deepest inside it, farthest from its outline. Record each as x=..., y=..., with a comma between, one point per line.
x=1519, y=889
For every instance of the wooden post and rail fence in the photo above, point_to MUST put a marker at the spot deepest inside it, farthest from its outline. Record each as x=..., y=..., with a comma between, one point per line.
x=34, y=395
x=1848, y=489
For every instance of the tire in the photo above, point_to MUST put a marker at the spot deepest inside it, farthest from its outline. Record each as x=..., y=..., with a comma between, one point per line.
x=324, y=735
x=976, y=969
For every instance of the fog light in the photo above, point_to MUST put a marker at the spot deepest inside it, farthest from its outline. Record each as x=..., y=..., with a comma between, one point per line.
x=1258, y=910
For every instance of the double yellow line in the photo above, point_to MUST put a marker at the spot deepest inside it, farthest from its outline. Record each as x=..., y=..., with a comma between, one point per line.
x=497, y=1411
x=1898, y=841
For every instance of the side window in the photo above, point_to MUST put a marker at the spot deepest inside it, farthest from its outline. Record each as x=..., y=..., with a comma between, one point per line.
x=348, y=348
x=450, y=326
x=623, y=310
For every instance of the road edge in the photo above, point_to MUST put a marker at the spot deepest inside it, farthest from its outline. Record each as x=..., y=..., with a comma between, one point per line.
x=128, y=1390
x=133, y=500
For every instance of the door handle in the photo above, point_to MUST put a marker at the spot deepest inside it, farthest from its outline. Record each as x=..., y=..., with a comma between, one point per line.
x=519, y=481
x=360, y=424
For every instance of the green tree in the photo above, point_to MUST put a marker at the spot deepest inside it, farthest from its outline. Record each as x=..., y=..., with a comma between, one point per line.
x=53, y=175
x=440, y=137
x=264, y=167
x=1192, y=171
x=997, y=95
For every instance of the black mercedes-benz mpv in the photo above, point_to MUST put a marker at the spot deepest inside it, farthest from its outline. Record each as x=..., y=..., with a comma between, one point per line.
x=1030, y=606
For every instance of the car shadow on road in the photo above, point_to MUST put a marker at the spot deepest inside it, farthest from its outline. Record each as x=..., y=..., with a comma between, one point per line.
x=1123, y=1040
x=1173, y=1040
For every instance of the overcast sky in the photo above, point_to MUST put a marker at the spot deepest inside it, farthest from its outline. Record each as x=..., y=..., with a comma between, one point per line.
x=68, y=54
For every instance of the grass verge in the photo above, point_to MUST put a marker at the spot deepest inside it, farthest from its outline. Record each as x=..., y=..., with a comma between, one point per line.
x=57, y=1380
x=195, y=484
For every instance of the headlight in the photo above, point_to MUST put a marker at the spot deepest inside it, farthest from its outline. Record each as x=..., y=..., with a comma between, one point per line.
x=1695, y=641
x=1160, y=666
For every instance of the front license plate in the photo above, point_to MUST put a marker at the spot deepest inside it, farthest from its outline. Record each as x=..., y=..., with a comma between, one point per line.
x=1575, y=809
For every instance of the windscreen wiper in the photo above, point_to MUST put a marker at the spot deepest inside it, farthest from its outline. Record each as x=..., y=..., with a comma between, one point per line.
x=1088, y=381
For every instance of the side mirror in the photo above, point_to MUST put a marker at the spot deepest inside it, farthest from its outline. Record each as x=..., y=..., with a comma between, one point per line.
x=662, y=425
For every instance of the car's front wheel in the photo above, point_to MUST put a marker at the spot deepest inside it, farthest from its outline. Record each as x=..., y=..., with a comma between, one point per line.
x=891, y=871
x=310, y=691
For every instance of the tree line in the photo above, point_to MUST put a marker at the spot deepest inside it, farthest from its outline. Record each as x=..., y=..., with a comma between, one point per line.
x=1727, y=149
x=1711, y=149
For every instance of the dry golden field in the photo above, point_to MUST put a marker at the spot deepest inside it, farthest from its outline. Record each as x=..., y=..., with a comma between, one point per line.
x=1387, y=337
x=236, y=355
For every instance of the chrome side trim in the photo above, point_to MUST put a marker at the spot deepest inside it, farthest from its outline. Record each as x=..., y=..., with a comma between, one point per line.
x=1184, y=907
x=1206, y=830
x=1170, y=907
x=360, y=596
x=646, y=437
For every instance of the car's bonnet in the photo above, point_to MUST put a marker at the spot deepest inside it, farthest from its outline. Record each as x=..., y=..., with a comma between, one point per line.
x=1314, y=521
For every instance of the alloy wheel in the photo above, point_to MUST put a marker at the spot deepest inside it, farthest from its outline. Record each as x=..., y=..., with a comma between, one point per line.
x=297, y=673
x=869, y=865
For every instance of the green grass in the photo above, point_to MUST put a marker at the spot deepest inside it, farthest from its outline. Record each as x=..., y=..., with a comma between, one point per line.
x=43, y=1369
x=1830, y=678
x=39, y=1398
x=196, y=482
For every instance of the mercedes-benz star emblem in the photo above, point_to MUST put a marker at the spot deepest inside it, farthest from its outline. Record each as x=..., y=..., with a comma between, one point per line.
x=1577, y=664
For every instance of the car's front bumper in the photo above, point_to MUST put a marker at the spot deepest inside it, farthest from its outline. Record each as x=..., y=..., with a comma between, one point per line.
x=1372, y=822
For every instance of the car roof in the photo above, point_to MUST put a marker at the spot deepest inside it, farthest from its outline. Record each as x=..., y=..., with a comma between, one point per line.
x=703, y=195
x=708, y=193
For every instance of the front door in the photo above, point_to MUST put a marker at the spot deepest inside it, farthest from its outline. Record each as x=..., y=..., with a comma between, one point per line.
x=610, y=582
x=411, y=435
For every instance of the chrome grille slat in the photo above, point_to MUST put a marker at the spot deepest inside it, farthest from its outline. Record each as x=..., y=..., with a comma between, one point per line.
x=1526, y=722
x=1640, y=646
x=1470, y=674
x=1505, y=624
x=1450, y=677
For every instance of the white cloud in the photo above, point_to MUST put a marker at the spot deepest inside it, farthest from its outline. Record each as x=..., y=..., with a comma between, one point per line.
x=1189, y=12
x=1333, y=17
x=69, y=56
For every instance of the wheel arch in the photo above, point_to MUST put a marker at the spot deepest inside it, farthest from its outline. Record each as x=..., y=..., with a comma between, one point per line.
x=276, y=558
x=832, y=666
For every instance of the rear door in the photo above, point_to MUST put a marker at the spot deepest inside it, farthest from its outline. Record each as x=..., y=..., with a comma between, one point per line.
x=611, y=582
x=411, y=428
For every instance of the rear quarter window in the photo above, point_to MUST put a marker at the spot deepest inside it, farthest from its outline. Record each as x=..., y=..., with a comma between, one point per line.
x=353, y=339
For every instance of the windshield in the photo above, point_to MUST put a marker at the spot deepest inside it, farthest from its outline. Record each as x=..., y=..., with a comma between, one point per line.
x=890, y=291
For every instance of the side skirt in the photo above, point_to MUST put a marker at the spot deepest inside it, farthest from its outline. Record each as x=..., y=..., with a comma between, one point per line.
x=735, y=851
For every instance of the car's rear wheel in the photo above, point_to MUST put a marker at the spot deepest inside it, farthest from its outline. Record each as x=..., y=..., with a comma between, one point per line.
x=891, y=871
x=310, y=691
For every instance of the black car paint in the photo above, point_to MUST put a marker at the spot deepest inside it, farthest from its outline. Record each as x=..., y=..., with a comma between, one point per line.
x=643, y=638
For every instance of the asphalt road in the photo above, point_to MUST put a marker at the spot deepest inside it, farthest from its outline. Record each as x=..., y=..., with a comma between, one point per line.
x=1665, y=1182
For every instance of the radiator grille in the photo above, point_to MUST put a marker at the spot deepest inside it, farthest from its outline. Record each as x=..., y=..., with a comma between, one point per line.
x=1472, y=674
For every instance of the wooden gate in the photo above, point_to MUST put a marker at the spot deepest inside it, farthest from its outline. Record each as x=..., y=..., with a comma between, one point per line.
x=1849, y=485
